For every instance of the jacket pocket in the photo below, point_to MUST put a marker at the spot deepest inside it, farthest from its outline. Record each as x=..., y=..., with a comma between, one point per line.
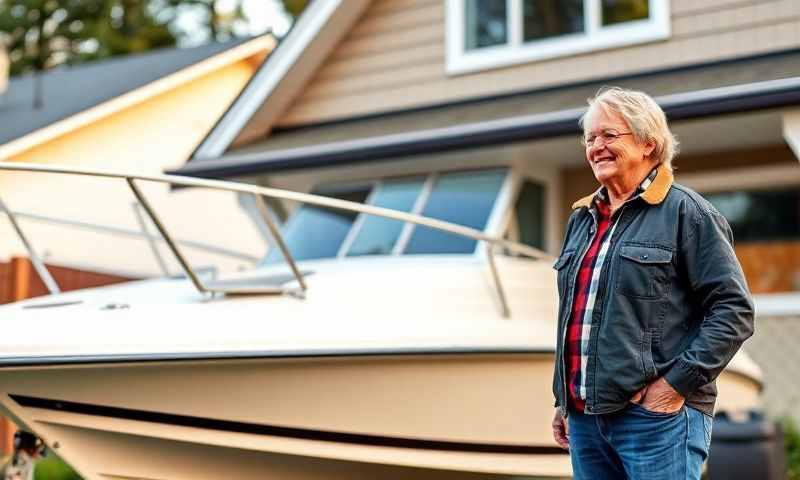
x=561, y=267
x=643, y=271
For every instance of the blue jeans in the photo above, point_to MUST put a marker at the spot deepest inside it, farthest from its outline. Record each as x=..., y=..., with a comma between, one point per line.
x=637, y=444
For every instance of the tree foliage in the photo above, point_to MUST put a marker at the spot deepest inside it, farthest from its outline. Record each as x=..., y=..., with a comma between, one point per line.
x=39, y=34
x=42, y=33
x=294, y=7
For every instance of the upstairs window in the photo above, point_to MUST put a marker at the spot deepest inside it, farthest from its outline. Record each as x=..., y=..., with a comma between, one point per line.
x=483, y=34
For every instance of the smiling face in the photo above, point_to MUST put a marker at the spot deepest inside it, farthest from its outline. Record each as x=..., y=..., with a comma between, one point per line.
x=622, y=164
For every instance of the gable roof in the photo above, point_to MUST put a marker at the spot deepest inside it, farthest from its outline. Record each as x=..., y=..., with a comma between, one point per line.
x=68, y=91
x=284, y=74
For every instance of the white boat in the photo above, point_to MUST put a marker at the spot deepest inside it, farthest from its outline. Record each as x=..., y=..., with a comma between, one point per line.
x=387, y=365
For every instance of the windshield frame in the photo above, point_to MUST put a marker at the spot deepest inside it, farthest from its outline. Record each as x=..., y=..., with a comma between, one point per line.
x=495, y=222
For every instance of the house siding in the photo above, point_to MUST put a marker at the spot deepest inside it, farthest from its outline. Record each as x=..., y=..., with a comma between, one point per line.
x=394, y=58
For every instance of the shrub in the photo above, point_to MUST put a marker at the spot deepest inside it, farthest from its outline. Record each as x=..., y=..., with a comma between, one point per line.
x=791, y=438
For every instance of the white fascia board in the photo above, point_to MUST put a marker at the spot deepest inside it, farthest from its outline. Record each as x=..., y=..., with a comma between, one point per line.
x=777, y=304
x=4, y=69
x=791, y=130
x=275, y=69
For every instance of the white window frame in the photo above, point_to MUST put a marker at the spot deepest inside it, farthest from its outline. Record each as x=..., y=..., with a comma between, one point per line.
x=516, y=51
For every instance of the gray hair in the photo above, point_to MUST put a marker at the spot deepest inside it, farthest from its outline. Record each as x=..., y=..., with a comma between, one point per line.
x=644, y=117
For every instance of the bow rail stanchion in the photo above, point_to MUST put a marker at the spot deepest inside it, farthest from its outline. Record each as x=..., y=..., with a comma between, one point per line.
x=501, y=295
x=266, y=192
x=278, y=238
x=151, y=241
x=187, y=269
x=37, y=262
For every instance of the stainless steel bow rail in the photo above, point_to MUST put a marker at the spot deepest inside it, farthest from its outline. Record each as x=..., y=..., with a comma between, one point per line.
x=260, y=193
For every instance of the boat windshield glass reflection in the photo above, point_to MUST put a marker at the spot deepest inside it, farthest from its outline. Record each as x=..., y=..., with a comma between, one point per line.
x=464, y=197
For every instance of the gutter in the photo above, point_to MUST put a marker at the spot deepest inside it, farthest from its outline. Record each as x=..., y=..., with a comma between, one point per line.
x=692, y=105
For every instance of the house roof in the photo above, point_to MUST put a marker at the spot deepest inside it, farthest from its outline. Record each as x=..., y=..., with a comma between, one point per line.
x=734, y=86
x=309, y=42
x=67, y=91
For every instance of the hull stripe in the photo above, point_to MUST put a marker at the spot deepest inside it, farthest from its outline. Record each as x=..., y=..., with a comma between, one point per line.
x=279, y=431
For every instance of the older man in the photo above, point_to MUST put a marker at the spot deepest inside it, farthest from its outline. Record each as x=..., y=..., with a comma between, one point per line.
x=653, y=305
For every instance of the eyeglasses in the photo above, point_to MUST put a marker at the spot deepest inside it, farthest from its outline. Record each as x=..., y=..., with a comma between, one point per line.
x=606, y=137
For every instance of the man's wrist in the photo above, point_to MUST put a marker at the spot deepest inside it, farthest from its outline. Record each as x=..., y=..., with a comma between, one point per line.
x=684, y=378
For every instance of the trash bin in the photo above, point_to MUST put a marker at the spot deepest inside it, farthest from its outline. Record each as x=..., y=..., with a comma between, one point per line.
x=746, y=448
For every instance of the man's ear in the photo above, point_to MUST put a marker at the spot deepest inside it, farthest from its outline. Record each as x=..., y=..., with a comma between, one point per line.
x=649, y=147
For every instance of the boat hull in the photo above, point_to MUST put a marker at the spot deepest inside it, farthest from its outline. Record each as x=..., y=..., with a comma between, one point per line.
x=443, y=415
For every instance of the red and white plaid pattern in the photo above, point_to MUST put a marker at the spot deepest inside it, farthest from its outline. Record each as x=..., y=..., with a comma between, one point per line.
x=586, y=284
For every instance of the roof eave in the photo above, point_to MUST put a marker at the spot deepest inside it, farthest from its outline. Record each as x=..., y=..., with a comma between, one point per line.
x=691, y=105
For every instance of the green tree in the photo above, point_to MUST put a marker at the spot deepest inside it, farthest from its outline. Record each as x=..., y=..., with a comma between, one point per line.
x=218, y=23
x=294, y=7
x=39, y=34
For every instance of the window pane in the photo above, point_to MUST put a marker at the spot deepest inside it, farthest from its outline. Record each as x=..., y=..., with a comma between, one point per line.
x=760, y=215
x=465, y=198
x=530, y=215
x=318, y=232
x=551, y=18
x=619, y=11
x=486, y=23
x=766, y=233
x=378, y=235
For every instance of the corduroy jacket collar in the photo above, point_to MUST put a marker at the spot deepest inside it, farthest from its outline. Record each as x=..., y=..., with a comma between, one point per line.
x=654, y=194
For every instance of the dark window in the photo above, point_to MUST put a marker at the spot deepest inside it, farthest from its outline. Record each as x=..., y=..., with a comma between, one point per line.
x=486, y=23
x=551, y=18
x=464, y=198
x=378, y=235
x=620, y=11
x=760, y=215
x=318, y=232
x=529, y=213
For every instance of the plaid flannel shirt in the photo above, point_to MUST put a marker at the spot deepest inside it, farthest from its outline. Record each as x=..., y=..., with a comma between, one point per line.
x=580, y=324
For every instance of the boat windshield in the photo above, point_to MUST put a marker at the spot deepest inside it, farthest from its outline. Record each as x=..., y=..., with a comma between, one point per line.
x=464, y=197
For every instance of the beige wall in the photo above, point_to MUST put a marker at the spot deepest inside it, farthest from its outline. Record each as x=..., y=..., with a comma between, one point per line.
x=147, y=137
x=774, y=349
x=395, y=56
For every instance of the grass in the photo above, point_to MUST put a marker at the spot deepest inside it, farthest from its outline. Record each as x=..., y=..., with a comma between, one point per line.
x=53, y=468
x=791, y=439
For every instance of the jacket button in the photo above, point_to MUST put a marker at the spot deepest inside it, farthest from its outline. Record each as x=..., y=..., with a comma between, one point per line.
x=644, y=257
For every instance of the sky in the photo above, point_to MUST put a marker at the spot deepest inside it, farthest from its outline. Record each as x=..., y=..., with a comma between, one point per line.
x=263, y=15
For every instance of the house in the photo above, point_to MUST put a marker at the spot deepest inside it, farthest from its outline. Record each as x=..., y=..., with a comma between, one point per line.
x=141, y=113
x=3, y=69
x=406, y=86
